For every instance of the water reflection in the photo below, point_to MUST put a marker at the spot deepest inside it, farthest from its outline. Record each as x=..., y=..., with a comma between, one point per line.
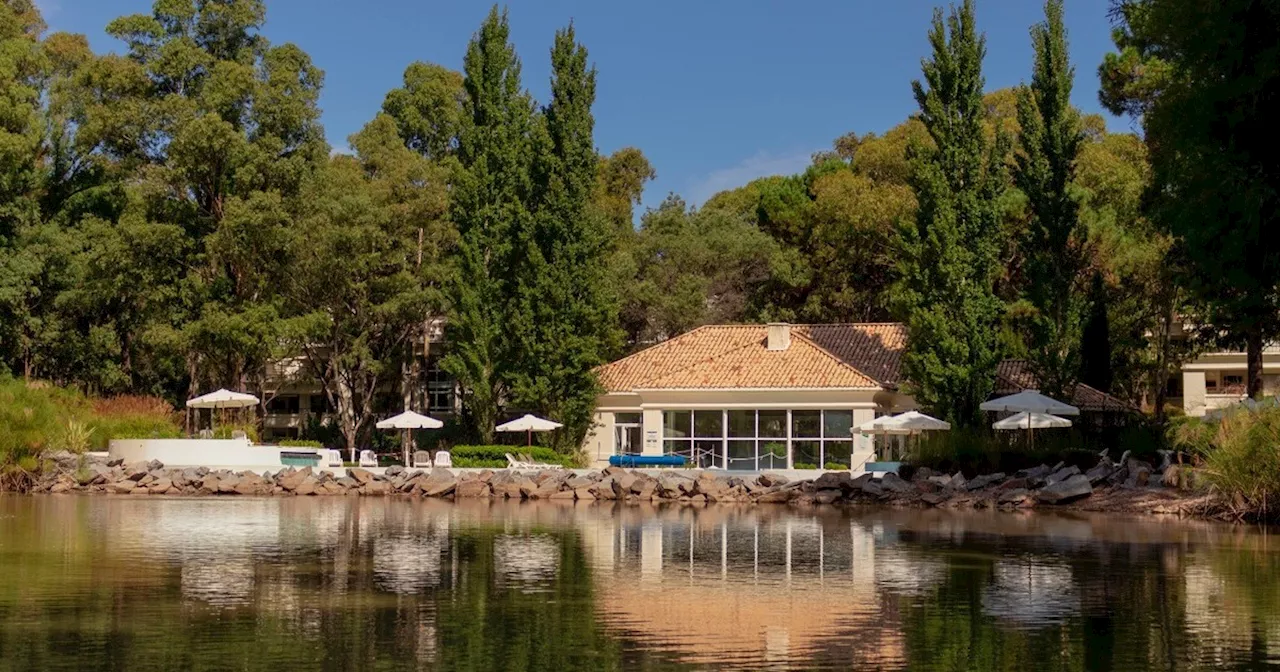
x=353, y=583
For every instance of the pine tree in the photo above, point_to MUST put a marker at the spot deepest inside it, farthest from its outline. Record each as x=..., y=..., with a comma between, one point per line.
x=490, y=208
x=1095, y=340
x=1050, y=144
x=950, y=263
x=568, y=312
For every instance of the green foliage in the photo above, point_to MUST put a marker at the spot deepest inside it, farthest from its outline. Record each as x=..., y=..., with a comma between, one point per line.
x=950, y=262
x=428, y=109
x=977, y=451
x=300, y=443
x=804, y=465
x=1240, y=456
x=495, y=457
x=836, y=466
x=1050, y=140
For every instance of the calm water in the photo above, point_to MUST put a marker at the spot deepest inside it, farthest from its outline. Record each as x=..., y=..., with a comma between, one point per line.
x=96, y=583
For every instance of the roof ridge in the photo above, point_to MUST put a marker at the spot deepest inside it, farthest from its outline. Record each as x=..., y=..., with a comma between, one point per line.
x=655, y=346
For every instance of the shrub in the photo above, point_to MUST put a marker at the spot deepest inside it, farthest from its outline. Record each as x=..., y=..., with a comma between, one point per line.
x=494, y=457
x=31, y=416
x=1241, y=456
x=804, y=465
x=974, y=452
x=227, y=431
x=300, y=443
x=835, y=466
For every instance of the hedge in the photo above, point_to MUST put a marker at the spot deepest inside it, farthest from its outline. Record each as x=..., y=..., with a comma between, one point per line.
x=300, y=443
x=495, y=457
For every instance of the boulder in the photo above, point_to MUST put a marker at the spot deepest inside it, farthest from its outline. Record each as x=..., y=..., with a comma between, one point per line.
x=136, y=471
x=827, y=496
x=710, y=486
x=394, y=470
x=933, y=498
x=160, y=485
x=155, y=465
x=1018, y=483
x=361, y=476
x=1061, y=475
x=923, y=474
x=95, y=474
x=576, y=482
x=1101, y=472
x=562, y=495
x=957, y=482
x=441, y=482
x=347, y=482
x=872, y=487
x=252, y=484
x=771, y=480
x=290, y=480
x=1034, y=473
x=307, y=486
x=838, y=480
x=115, y=462
x=622, y=485
x=376, y=488
x=121, y=487
x=228, y=484
x=1012, y=496
x=980, y=482
x=893, y=483
x=1074, y=487
x=778, y=496
x=583, y=494
x=471, y=488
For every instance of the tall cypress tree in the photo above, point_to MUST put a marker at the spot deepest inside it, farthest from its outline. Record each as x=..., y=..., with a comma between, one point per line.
x=569, y=310
x=946, y=294
x=1050, y=143
x=1095, y=340
x=490, y=208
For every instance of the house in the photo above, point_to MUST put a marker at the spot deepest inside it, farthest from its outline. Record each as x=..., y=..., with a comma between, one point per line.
x=1217, y=379
x=777, y=396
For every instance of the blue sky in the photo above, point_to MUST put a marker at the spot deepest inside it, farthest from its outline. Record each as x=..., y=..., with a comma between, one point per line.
x=715, y=93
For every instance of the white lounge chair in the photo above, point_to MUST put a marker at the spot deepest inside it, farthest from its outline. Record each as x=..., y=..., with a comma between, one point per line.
x=368, y=458
x=443, y=459
x=422, y=460
x=525, y=462
x=333, y=458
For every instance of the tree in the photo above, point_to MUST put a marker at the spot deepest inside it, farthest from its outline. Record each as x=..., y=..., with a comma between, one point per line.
x=360, y=277
x=619, y=186
x=950, y=263
x=564, y=291
x=428, y=109
x=1204, y=76
x=1045, y=171
x=490, y=206
x=1095, y=340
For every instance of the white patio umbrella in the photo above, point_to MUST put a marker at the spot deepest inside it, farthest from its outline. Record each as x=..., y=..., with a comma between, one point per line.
x=881, y=425
x=529, y=424
x=406, y=421
x=906, y=424
x=1029, y=400
x=1031, y=422
x=222, y=398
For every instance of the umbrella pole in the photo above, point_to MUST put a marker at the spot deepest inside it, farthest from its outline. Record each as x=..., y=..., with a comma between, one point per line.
x=528, y=434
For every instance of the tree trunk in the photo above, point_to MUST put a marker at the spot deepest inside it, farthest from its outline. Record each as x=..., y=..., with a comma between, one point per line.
x=1253, y=359
x=1160, y=385
x=346, y=416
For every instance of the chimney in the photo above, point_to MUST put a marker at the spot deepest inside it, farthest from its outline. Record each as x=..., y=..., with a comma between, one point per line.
x=779, y=336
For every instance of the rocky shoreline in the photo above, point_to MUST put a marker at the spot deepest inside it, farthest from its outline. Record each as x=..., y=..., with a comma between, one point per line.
x=1110, y=485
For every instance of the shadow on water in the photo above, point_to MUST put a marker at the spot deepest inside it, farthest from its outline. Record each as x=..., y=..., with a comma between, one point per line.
x=97, y=583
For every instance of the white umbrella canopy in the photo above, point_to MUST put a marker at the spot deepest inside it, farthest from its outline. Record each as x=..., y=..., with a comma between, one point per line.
x=223, y=398
x=1026, y=420
x=406, y=421
x=915, y=422
x=1032, y=401
x=529, y=424
x=410, y=420
x=881, y=425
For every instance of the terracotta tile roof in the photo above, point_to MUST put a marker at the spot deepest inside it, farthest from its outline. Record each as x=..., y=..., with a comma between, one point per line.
x=736, y=356
x=1015, y=375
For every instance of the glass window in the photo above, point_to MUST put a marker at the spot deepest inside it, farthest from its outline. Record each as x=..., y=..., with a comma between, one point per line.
x=627, y=439
x=837, y=424
x=709, y=453
x=742, y=423
x=676, y=423
x=773, y=454
x=807, y=454
x=708, y=424
x=319, y=403
x=773, y=424
x=839, y=452
x=806, y=424
x=626, y=418
x=742, y=455
x=284, y=404
x=675, y=447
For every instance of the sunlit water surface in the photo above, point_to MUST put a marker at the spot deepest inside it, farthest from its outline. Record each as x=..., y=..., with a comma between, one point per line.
x=346, y=583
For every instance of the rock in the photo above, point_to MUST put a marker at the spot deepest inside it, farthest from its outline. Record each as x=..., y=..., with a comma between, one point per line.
x=1020, y=483
x=1100, y=473
x=160, y=485
x=1124, y=458
x=614, y=471
x=121, y=487
x=136, y=471
x=872, y=488
x=1061, y=475
x=1139, y=477
x=980, y=482
x=927, y=486
x=228, y=484
x=562, y=495
x=940, y=481
x=347, y=482
x=779, y=496
x=377, y=488
x=933, y=498
x=95, y=474
x=361, y=476
x=441, y=482
x=839, y=480
x=827, y=496
x=307, y=486
x=576, y=482
x=290, y=480
x=1074, y=487
x=1034, y=473
x=394, y=470
x=644, y=489
x=923, y=474
x=583, y=494
x=252, y=484
x=957, y=482
x=894, y=483
x=1166, y=460
x=1012, y=496
x=709, y=486
x=115, y=462
x=622, y=485
x=698, y=499
x=772, y=480
x=471, y=488
x=62, y=486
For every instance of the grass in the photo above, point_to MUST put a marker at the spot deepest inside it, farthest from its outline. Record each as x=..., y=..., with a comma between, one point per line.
x=1239, y=457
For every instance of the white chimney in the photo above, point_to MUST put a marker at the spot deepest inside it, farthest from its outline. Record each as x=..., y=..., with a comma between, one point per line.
x=779, y=336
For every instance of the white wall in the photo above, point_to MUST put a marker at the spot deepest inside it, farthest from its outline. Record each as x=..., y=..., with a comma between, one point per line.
x=219, y=453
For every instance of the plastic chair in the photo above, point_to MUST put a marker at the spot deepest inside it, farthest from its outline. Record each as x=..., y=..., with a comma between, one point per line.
x=368, y=458
x=333, y=458
x=443, y=459
x=422, y=460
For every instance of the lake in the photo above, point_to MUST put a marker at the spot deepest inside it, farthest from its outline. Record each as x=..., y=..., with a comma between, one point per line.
x=350, y=583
